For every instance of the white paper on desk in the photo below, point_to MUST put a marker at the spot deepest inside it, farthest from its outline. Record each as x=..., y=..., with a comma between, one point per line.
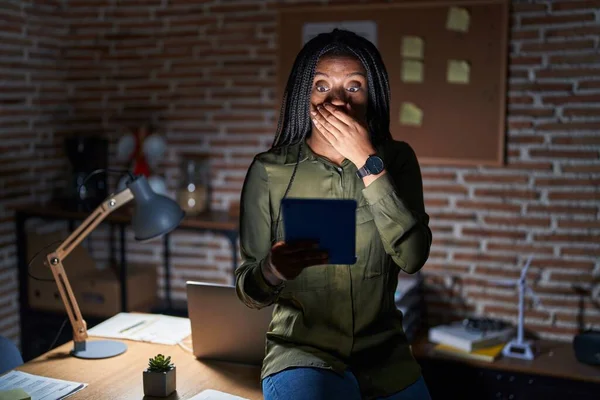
x=153, y=328
x=210, y=394
x=40, y=387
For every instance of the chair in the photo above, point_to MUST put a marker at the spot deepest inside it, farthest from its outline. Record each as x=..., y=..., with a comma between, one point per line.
x=10, y=355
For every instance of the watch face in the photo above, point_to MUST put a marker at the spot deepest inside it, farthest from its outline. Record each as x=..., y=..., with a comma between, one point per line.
x=374, y=164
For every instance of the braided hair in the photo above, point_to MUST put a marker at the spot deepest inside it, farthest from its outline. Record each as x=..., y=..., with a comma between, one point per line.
x=294, y=123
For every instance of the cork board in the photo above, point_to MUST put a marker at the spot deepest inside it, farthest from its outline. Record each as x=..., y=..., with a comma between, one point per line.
x=446, y=63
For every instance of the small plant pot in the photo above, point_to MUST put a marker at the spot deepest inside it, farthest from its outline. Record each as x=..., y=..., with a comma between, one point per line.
x=159, y=384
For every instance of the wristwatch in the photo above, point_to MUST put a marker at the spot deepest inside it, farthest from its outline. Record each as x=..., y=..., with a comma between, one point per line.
x=373, y=166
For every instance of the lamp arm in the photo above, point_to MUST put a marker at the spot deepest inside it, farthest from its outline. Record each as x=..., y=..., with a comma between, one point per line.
x=54, y=260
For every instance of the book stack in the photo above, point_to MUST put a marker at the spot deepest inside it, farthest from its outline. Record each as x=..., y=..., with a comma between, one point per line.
x=457, y=340
x=408, y=299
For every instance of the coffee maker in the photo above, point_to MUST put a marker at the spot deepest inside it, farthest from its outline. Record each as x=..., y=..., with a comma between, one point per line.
x=86, y=154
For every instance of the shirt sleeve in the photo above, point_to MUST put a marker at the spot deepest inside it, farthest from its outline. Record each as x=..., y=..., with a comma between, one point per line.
x=255, y=240
x=396, y=202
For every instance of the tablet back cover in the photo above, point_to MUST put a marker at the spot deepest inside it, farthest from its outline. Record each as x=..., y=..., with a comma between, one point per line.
x=330, y=221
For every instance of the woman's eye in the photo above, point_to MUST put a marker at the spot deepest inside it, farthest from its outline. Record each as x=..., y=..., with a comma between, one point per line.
x=321, y=88
x=354, y=89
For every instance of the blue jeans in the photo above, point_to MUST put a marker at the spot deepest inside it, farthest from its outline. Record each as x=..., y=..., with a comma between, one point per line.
x=306, y=383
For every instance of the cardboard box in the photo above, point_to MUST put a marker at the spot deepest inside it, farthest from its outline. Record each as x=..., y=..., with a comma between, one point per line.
x=98, y=292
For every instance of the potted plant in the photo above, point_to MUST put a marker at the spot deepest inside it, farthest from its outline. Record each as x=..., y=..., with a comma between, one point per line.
x=159, y=378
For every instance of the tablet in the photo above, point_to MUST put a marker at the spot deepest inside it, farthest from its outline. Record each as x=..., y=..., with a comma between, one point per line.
x=331, y=222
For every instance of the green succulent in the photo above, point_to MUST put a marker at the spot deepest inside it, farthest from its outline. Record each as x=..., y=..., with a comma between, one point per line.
x=160, y=364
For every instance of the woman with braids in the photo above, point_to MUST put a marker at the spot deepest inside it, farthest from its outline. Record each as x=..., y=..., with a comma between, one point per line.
x=335, y=332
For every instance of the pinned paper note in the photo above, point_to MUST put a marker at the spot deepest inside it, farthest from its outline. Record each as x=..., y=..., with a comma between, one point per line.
x=459, y=71
x=410, y=114
x=458, y=19
x=412, y=71
x=412, y=47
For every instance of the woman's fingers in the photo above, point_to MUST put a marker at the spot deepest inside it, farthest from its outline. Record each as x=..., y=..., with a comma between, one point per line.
x=329, y=118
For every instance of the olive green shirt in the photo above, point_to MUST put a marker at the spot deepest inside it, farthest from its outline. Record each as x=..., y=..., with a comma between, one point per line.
x=338, y=316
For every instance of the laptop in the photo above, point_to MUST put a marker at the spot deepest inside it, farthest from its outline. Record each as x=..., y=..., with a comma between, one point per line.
x=224, y=328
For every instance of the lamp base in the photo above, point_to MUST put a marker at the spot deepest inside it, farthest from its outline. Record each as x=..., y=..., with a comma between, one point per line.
x=98, y=349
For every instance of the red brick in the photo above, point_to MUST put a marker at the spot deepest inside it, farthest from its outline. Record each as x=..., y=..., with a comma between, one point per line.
x=519, y=248
x=518, y=74
x=571, y=265
x=445, y=176
x=531, y=112
x=593, y=30
x=488, y=206
x=575, y=224
x=527, y=7
x=547, y=47
x=457, y=242
x=567, y=182
x=525, y=139
x=572, y=278
x=567, y=73
x=484, y=258
x=535, y=222
x=582, y=112
x=516, y=125
x=588, y=85
x=555, y=209
x=507, y=193
x=445, y=268
x=557, y=19
x=479, y=178
x=567, y=238
x=574, y=196
x=519, y=99
x=581, y=251
x=563, y=99
x=581, y=169
x=572, y=59
x=575, y=5
x=495, y=234
x=523, y=60
x=445, y=217
x=509, y=312
x=569, y=126
x=454, y=189
x=571, y=154
x=434, y=203
x=541, y=87
x=574, y=318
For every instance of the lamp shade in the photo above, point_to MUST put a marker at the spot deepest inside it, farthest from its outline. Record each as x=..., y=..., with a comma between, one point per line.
x=154, y=214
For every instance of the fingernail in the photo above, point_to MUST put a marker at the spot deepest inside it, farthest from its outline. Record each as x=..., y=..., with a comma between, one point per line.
x=313, y=112
x=319, y=107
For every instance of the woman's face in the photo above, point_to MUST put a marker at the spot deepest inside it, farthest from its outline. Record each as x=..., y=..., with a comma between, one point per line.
x=341, y=81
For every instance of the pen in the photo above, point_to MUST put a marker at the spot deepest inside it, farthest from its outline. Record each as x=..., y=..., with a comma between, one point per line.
x=132, y=326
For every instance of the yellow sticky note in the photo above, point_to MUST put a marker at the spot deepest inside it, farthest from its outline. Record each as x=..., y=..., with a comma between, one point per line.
x=412, y=71
x=412, y=47
x=459, y=71
x=458, y=19
x=410, y=114
x=14, y=394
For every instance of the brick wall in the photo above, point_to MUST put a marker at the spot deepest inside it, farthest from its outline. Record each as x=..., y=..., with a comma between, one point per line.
x=31, y=97
x=203, y=72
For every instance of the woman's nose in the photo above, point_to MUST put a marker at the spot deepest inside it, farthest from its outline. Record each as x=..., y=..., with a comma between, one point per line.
x=337, y=98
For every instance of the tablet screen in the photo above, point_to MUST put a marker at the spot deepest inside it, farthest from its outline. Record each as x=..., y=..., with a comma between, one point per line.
x=332, y=222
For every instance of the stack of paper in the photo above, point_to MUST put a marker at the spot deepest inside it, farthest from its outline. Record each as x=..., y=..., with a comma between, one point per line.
x=211, y=394
x=153, y=328
x=408, y=299
x=39, y=387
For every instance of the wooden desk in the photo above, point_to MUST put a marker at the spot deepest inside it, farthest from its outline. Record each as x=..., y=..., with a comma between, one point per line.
x=121, y=377
x=555, y=373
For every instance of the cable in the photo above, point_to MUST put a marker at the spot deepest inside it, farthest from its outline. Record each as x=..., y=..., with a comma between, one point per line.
x=58, y=334
x=35, y=256
x=99, y=171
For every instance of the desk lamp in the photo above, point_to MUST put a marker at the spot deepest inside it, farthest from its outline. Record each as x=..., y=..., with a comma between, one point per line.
x=154, y=215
